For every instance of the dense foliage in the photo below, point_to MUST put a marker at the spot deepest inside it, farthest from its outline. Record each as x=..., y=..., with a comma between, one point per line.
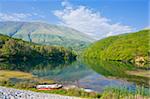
x=11, y=49
x=125, y=47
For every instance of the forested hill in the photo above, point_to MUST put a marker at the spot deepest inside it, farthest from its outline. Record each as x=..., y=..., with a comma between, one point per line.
x=125, y=47
x=12, y=49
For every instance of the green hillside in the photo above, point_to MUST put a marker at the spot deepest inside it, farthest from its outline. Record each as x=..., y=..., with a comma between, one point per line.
x=46, y=34
x=17, y=49
x=126, y=47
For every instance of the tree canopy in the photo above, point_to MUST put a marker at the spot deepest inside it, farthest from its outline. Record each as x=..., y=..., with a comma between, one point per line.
x=11, y=48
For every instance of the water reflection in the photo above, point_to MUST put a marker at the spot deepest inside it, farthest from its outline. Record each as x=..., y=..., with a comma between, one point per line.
x=66, y=73
x=93, y=74
x=28, y=66
x=118, y=70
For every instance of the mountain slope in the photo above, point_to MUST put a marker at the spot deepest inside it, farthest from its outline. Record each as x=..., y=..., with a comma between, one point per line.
x=17, y=49
x=46, y=34
x=125, y=47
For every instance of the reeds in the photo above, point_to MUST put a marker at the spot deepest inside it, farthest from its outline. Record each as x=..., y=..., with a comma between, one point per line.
x=135, y=92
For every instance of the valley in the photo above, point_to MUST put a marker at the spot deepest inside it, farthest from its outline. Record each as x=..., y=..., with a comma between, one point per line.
x=74, y=49
x=36, y=57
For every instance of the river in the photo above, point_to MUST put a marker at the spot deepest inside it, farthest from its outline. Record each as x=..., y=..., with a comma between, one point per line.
x=90, y=74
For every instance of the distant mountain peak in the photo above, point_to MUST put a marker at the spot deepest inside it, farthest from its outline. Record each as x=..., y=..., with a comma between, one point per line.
x=44, y=33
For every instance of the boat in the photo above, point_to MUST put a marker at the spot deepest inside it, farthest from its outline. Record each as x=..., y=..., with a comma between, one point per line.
x=49, y=87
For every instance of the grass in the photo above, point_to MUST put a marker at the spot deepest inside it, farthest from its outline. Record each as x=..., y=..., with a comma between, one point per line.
x=73, y=92
x=6, y=75
x=142, y=73
x=26, y=81
x=109, y=93
x=70, y=92
x=19, y=79
x=125, y=93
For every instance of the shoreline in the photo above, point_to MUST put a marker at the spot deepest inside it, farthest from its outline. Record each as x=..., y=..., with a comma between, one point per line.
x=6, y=92
x=72, y=93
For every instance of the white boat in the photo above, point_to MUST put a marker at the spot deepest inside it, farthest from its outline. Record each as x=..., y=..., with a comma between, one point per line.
x=87, y=90
x=49, y=87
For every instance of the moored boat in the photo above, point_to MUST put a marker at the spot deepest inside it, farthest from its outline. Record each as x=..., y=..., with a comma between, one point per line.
x=49, y=87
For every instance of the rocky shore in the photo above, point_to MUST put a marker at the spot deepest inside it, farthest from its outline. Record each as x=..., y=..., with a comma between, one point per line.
x=10, y=93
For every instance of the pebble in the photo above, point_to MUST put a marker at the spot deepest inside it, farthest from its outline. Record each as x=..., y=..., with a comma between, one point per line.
x=11, y=93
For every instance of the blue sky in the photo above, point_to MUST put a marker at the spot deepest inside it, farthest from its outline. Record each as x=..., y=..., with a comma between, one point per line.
x=94, y=17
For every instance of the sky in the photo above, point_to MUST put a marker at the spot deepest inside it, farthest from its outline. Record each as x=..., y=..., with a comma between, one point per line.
x=97, y=18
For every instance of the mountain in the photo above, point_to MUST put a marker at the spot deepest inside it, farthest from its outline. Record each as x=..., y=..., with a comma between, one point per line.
x=47, y=34
x=125, y=47
x=17, y=49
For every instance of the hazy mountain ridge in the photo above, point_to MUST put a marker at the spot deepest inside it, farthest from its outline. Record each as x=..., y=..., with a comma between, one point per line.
x=44, y=33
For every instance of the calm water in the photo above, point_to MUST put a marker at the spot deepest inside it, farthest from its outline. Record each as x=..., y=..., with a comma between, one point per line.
x=91, y=74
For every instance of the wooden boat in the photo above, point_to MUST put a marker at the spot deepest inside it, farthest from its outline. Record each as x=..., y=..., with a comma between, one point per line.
x=49, y=87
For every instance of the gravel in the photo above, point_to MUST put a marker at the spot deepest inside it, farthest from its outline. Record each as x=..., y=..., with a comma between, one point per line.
x=10, y=93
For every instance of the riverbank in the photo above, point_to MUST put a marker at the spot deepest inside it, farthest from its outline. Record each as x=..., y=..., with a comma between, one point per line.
x=77, y=93
x=109, y=93
x=27, y=81
x=11, y=93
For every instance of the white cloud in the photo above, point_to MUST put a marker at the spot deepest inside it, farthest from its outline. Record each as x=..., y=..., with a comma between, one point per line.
x=66, y=4
x=88, y=21
x=14, y=16
x=21, y=16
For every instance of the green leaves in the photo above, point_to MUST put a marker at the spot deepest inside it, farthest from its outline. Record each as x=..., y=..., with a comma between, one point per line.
x=19, y=49
x=121, y=47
